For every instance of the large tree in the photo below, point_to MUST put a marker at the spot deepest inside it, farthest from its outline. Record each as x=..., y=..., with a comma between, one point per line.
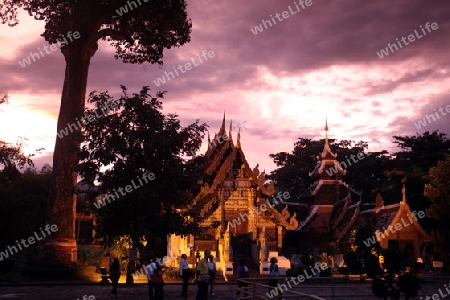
x=438, y=192
x=135, y=140
x=411, y=164
x=138, y=35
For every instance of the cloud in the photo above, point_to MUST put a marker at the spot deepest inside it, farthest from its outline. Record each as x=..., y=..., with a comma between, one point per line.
x=318, y=63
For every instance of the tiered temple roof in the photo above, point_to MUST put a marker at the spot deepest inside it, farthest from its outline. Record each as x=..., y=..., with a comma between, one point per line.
x=223, y=156
x=331, y=206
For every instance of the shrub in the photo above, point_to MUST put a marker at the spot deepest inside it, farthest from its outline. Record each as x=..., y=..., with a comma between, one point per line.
x=54, y=273
x=343, y=270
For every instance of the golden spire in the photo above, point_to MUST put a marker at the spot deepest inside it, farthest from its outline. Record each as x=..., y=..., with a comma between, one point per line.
x=231, y=126
x=222, y=128
x=238, y=143
x=326, y=146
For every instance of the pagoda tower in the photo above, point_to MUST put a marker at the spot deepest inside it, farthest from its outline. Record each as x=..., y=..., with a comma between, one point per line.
x=328, y=172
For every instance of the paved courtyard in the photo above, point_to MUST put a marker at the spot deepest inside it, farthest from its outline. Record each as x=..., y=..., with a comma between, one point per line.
x=172, y=291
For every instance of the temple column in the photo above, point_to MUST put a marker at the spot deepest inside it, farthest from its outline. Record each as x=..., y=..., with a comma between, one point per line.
x=280, y=238
x=222, y=209
x=253, y=218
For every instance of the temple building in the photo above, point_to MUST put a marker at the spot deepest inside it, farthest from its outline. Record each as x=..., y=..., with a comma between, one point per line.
x=238, y=198
x=331, y=207
x=397, y=227
x=254, y=220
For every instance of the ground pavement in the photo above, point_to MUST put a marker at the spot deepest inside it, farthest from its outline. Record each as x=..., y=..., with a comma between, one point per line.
x=225, y=291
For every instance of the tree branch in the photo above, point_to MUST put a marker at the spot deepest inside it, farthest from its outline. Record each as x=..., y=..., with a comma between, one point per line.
x=117, y=35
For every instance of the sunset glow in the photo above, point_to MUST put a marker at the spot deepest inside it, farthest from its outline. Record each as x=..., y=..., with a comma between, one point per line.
x=317, y=64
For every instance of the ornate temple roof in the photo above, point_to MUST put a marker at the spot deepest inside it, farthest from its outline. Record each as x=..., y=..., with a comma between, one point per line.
x=382, y=216
x=222, y=156
x=332, y=206
x=327, y=160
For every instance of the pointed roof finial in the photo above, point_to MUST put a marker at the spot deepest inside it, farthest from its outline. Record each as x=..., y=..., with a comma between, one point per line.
x=229, y=134
x=223, y=123
x=326, y=133
x=238, y=143
x=326, y=147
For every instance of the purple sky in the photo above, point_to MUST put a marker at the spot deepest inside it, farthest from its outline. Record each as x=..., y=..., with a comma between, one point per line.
x=282, y=82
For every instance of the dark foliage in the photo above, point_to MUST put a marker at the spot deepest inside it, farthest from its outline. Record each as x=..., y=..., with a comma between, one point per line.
x=135, y=139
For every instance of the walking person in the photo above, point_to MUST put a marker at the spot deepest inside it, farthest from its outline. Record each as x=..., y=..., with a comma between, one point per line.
x=242, y=272
x=273, y=269
x=202, y=277
x=185, y=273
x=150, y=268
x=212, y=273
x=114, y=274
x=158, y=283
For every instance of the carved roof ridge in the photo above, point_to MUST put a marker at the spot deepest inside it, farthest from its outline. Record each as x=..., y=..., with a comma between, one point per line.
x=206, y=188
x=352, y=220
x=311, y=214
x=282, y=220
x=341, y=216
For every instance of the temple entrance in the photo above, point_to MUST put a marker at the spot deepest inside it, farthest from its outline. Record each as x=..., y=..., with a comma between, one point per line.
x=242, y=249
x=241, y=245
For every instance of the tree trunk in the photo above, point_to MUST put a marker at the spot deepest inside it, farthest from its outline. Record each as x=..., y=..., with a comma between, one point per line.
x=65, y=156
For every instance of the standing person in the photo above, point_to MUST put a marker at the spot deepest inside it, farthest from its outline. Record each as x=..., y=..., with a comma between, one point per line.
x=150, y=268
x=185, y=272
x=203, y=277
x=409, y=284
x=212, y=273
x=273, y=269
x=242, y=271
x=158, y=283
x=114, y=274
